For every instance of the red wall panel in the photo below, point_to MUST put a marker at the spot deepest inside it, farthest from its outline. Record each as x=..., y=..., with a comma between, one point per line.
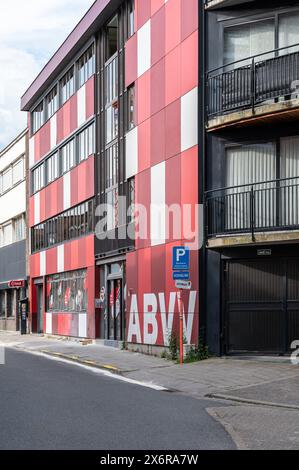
x=173, y=129
x=131, y=60
x=143, y=12
x=90, y=98
x=158, y=36
x=158, y=133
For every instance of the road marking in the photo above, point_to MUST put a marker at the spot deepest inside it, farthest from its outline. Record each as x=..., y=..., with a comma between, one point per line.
x=95, y=370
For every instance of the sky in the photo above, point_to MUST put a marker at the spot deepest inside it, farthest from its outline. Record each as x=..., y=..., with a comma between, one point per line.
x=30, y=32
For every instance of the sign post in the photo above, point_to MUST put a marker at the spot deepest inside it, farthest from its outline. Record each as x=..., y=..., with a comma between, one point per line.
x=181, y=276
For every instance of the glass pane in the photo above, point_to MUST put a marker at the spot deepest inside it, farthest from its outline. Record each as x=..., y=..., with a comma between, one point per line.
x=241, y=42
x=289, y=32
x=18, y=172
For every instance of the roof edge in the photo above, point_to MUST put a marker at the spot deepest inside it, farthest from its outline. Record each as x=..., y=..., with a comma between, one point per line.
x=13, y=142
x=67, y=47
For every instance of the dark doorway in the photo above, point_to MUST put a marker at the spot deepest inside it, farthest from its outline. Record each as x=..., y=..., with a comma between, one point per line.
x=39, y=308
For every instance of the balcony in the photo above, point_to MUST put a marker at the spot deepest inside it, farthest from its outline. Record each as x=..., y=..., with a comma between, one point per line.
x=256, y=90
x=265, y=212
x=214, y=4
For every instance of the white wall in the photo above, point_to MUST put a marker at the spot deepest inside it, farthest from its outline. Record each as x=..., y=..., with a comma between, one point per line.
x=13, y=203
x=13, y=152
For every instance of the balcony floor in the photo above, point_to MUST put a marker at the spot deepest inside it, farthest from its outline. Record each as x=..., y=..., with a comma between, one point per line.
x=264, y=114
x=213, y=4
x=261, y=238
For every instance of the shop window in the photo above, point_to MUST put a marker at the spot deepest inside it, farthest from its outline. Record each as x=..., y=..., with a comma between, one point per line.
x=67, y=292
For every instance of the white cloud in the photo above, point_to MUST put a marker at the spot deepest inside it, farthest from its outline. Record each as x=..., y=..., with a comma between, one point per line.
x=30, y=32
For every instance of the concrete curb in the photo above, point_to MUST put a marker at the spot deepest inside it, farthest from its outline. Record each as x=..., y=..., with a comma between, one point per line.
x=247, y=401
x=78, y=360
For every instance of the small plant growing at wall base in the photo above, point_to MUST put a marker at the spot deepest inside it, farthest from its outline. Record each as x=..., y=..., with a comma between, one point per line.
x=200, y=353
x=173, y=346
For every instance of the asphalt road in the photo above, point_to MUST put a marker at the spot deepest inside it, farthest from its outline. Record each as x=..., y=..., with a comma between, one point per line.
x=46, y=404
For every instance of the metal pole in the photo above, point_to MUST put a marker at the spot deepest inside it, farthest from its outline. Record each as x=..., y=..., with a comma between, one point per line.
x=181, y=328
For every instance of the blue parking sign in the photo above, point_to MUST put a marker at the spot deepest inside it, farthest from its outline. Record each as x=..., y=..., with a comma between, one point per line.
x=180, y=258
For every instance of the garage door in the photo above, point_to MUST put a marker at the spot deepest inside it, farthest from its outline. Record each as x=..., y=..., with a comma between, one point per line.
x=261, y=305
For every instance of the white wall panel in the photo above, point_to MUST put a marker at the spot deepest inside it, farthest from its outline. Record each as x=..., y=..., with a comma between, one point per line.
x=158, y=210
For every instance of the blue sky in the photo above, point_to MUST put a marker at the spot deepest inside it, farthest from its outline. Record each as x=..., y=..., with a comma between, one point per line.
x=30, y=32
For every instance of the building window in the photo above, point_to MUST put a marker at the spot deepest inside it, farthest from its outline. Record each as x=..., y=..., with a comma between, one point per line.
x=67, y=85
x=38, y=117
x=73, y=223
x=112, y=209
x=52, y=171
x=112, y=38
x=111, y=122
x=86, y=66
x=111, y=80
x=87, y=142
x=19, y=228
x=68, y=156
x=52, y=102
x=18, y=171
x=6, y=234
x=131, y=18
x=111, y=166
x=6, y=180
x=131, y=107
x=38, y=175
x=67, y=292
x=131, y=200
x=243, y=41
x=111, y=87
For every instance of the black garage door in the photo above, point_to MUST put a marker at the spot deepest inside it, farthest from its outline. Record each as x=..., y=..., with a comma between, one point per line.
x=261, y=305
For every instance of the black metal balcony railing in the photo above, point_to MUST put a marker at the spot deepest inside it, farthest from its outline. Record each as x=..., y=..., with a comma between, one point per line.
x=266, y=206
x=250, y=82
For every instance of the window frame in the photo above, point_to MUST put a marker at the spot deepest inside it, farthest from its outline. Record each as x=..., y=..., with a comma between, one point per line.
x=36, y=124
x=64, y=227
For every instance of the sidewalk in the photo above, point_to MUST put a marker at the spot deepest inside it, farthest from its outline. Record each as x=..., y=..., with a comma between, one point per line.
x=243, y=381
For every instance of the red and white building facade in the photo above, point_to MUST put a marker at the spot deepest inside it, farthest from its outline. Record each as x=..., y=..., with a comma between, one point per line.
x=115, y=113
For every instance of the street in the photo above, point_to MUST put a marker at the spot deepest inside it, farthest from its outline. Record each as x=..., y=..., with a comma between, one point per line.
x=47, y=404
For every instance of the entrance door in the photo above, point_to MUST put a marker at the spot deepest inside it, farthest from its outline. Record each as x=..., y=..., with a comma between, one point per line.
x=254, y=298
x=115, y=309
x=39, y=309
x=261, y=305
x=292, y=302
